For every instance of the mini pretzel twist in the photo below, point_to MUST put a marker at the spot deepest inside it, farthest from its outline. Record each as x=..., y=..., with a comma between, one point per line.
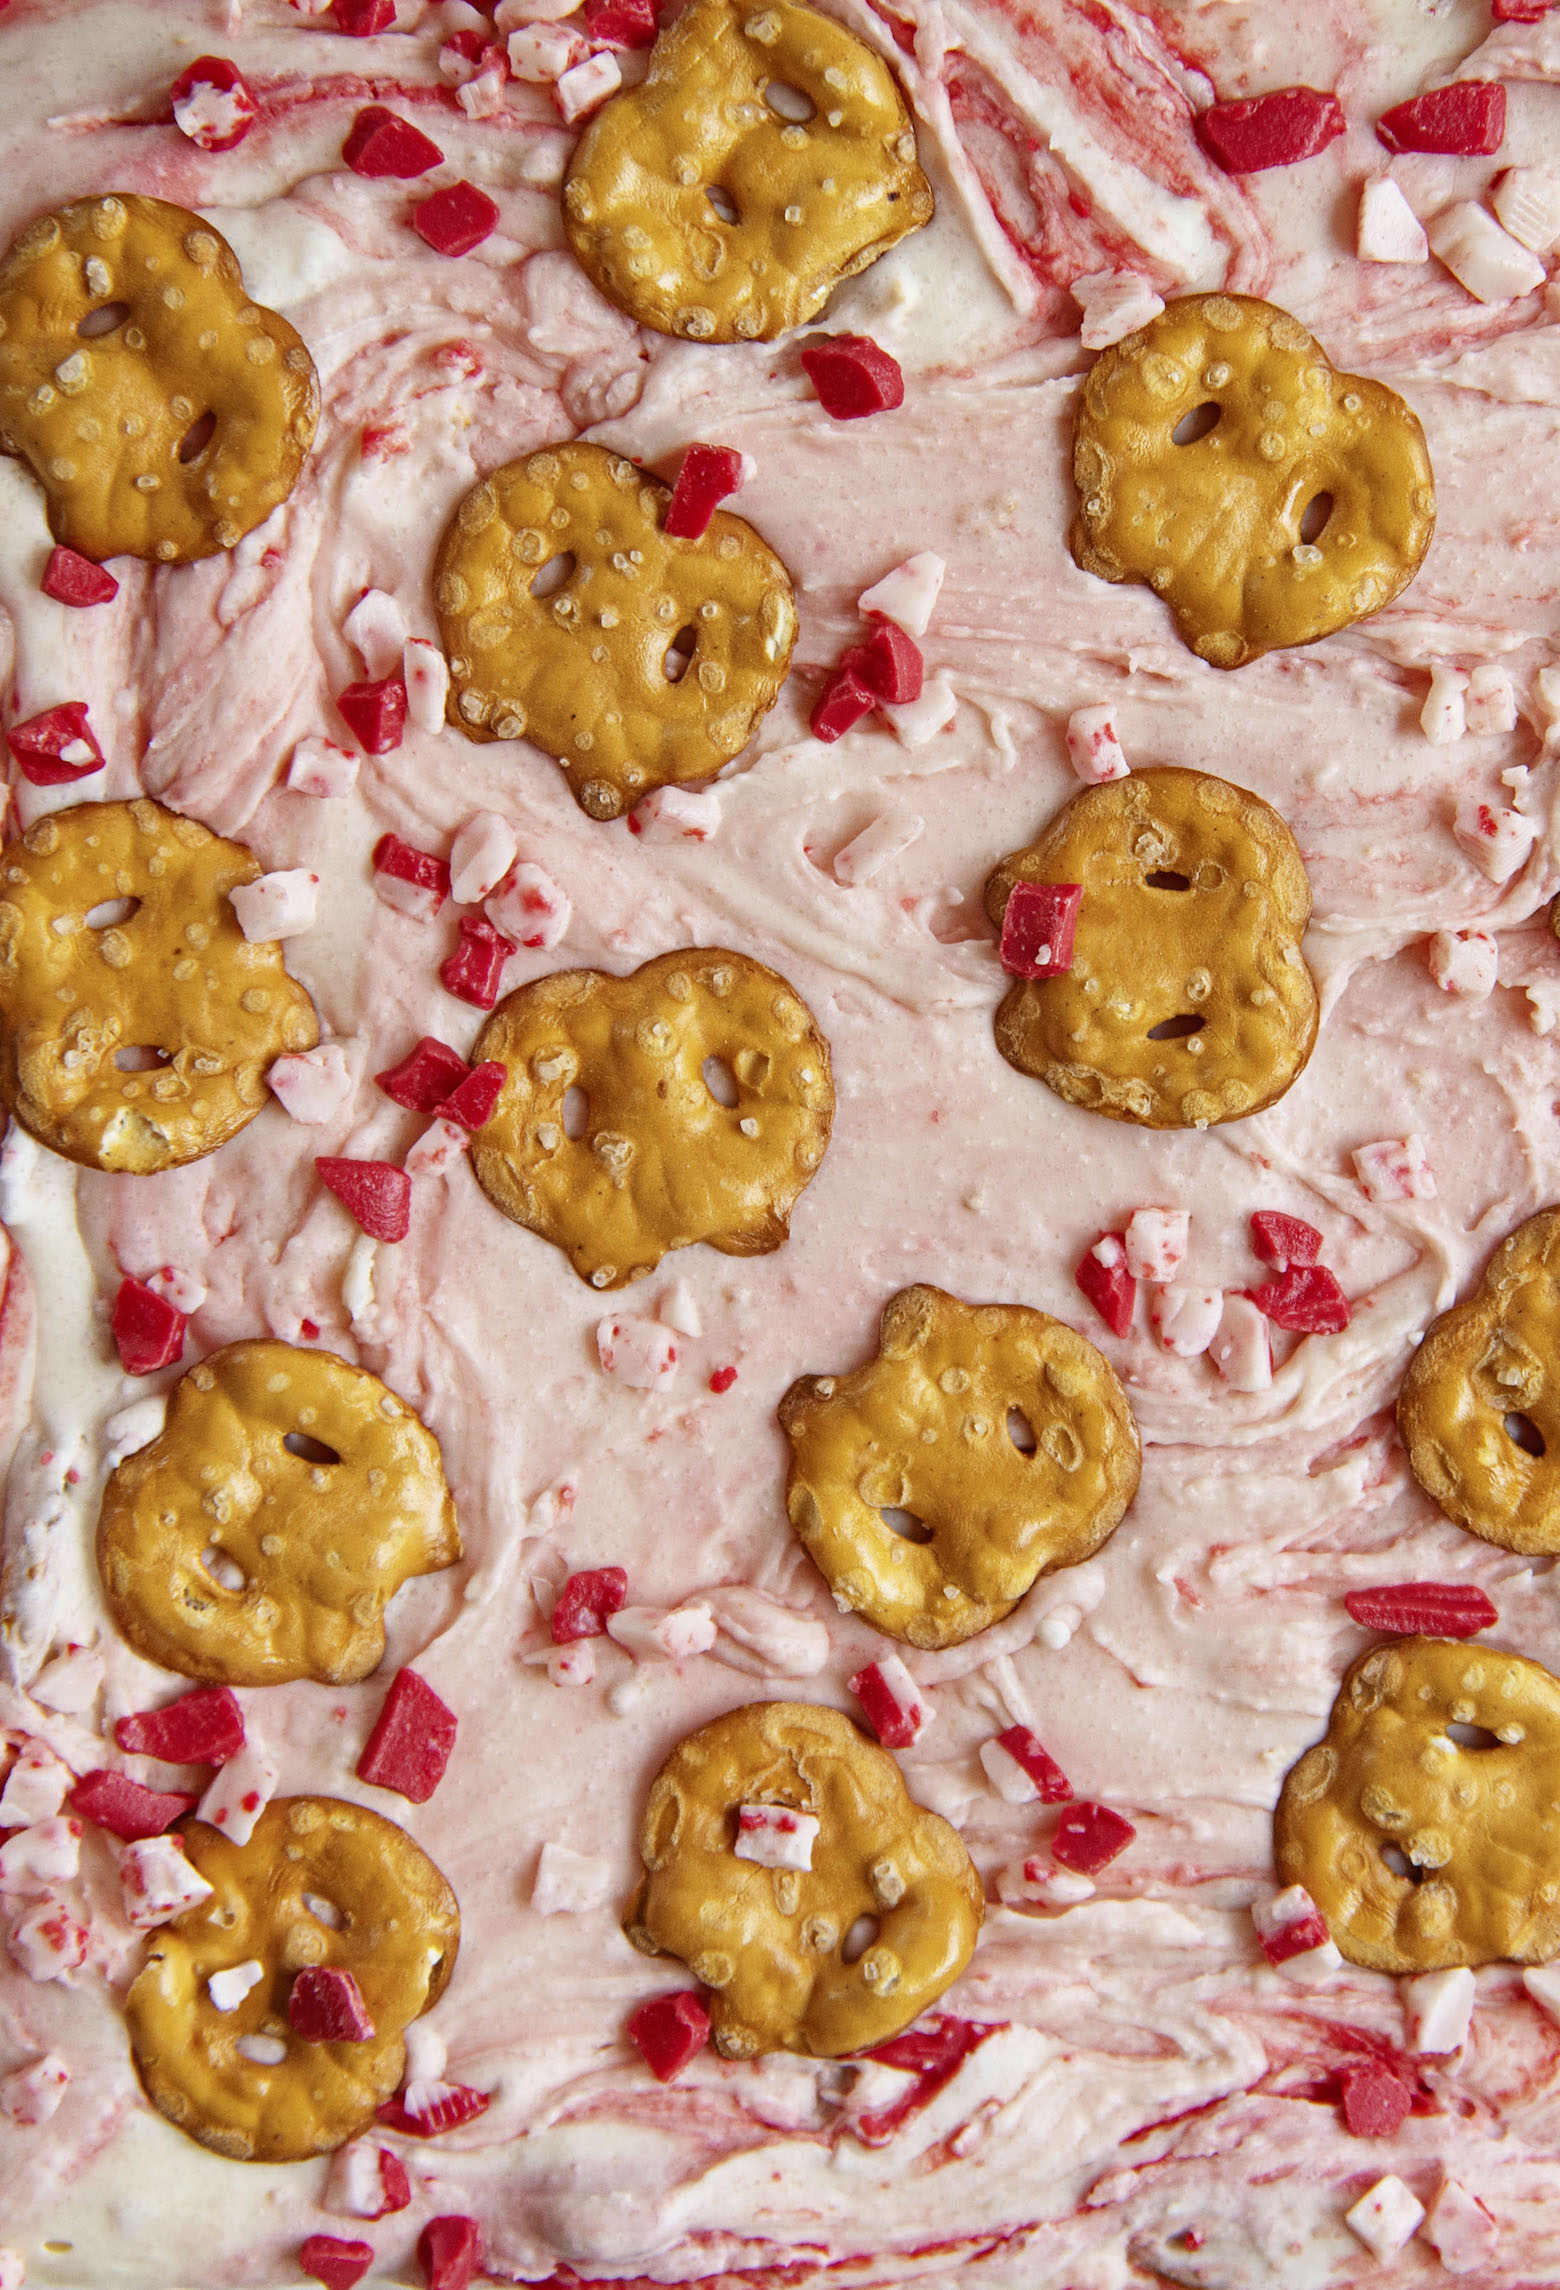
x=1188, y=1001
x=175, y=979
x=657, y=1160
x=163, y=413
x=770, y=1943
x=801, y=202
x=928, y=1428
x=1470, y=1818
x=582, y=668
x=397, y=1933
x=322, y=1546
x=1217, y=525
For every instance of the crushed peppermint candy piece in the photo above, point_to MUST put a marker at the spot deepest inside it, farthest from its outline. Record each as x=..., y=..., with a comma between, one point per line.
x=422, y=1081
x=311, y=1086
x=653, y=1633
x=639, y=1353
x=1156, y=1242
x=240, y=1792
x=474, y=972
x=1274, y=130
x=1376, y=2100
x=321, y=769
x=1186, y=1319
x=889, y=664
x=228, y=1988
x=918, y=722
x=1114, y=303
x=691, y=814
x=375, y=713
x=380, y=142
x=1386, y=2218
x=376, y=1194
x=853, y=377
x=437, y=1151
x=50, y=1940
x=202, y=1728
x=1460, y=2230
x=411, y=1742
x=1440, y=2009
x=1035, y=1883
x=621, y=23
x=428, y=2107
x=1484, y=259
x=569, y=1883
x=1492, y=700
x=158, y=1882
x=449, y=2251
x=529, y=908
x=586, y=1602
x=1542, y=1982
x=338, y=2264
x=1432, y=1609
x=13, y=2270
x=126, y=1808
x=677, y=1307
x=455, y=219
x=1289, y=1924
x=1527, y=201
x=148, y=1331
x=35, y=1787
x=32, y=1859
x=1241, y=1349
x=1103, y=1276
x=1394, y=1169
x=482, y=96
x=361, y=19
x=583, y=88
x=470, y=1105
x=1093, y=748
x=213, y=104
x=376, y=630
x=279, y=905
x=1306, y=1299
x=883, y=839
x=413, y=882
x=894, y=1705
x=1465, y=120
x=1444, y=717
x=1388, y=229
x=325, y=2006
x=1038, y=925
x=31, y=2095
x=670, y=2031
x=1090, y=1837
x=75, y=580
x=56, y=747
x=366, y=2181
x=1497, y=838
x=709, y=475
x=1465, y=962
x=842, y=703
x=907, y=595
x=572, y=1665
x=1022, y=1771
x=426, y=675
x=480, y=857
x=775, y=1837
x=542, y=53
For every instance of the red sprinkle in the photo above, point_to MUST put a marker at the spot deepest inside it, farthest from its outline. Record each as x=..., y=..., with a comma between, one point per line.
x=1434, y=1609
x=114, y=1802
x=76, y=580
x=475, y=968
x=381, y=142
x=670, y=2031
x=330, y=2260
x=224, y=75
x=1110, y=1288
x=203, y=1728
x=148, y=1332
x=1307, y=1299
x=708, y=474
x=409, y=865
x=843, y=702
x=1466, y=120
x=375, y=714
x=1274, y=130
x=889, y=664
x=57, y=746
x=424, y=1080
x=621, y=23
x=455, y=219
x=853, y=377
x=449, y=2250
x=360, y=18
x=456, y=2104
x=722, y=1379
x=1376, y=2103
x=585, y=1601
x=471, y=1103
x=326, y=2006
x=410, y=1745
x=1038, y=1763
x=1038, y=924
x=377, y=1193
x=1090, y=1837
x=1284, y=1240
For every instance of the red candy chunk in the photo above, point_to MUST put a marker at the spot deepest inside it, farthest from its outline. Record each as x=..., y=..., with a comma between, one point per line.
x=1038, y=924
x=844, y=701
x=336, y=2263
x=325, y=2006
x=428, y=877
x=622, y=24
x=1090, y=1837
x=1464, y=121
x=411, y=1741
x=1427, y=1609
x=1376, y=2102
x=670, y=2031
x=449, y=2250
x=114, y=1802
x=1296, y=1938
x=361, y=18
x=1103, y=1276
x=423, y=1081
x=1283, y=1240
x=1041, y=1767
x=891, y=1702
x=203, y=1728
x=1270, y=130
x=853, y=377
x=709, y=472
x=471, y=1103
x=475, y=968
x=377, y=1193
x=1307, y=1299
x=76, y=580
x=213, y=103
x=375, y=714
x=381, y=142
x=455, y=219
x=148, y=1331
x=722, y=1379
x=585, y=1601
x=57, y=746
x=440, y=2107
x=1520, y=11
x=889, y=664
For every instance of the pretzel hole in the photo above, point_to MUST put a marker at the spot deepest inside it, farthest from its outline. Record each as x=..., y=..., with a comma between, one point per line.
x=140, y=1057
x=197, y=437
x=859, y=1938
x=224, y=1571
x=1176, y=1029
x=1472, y=1736
x=1021, y=1431
x=1314, y=522
x=109, y=914
x=720, y=1081
x=1195, y=425
x=552, y=576
x=1523, y=1432
x=324, y=1911
x=1166, y=879
x=790, y=103
x=106, y=319
x=678, y=656
x=1400, y=1864
x=309, y=1450
x=723, y=203
x=576, y=1111
x=905, y=1524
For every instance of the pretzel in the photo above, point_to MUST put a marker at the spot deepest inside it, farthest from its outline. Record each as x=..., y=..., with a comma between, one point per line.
x=770, y=1942
x=581, y=669
x=1217, y=525
x=323, y=1547
x=164, y=414
x=1473, y=1825
x=660, y=1161
x=928, y=1428
x=398, y=1936
x=1188, y=1000
x=177, y=981
x=806, y=205
x=1481, y=1384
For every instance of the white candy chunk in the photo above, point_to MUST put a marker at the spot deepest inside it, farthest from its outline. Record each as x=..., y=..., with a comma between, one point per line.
x=775, y=1837
x=418, y=900
x=1114, y=304
x=319, y=767
x=1239, y=1348
x=355, y=2184
x=1394, y=1169
x=585, y=87
x=49, y=1941
x=1186, y=1319
x=758, y=1634
x=427, y=2053
x=31, y=2095
x=1440, y=2007
x=277, y=906
x=640, y=1353
x=1489, y=262
x=1542, y=1982
x=47, y=1853
x=652, y=1633
x=1389, y=230
x=529, y=907
x=35, y=1787
x=311, y=1085
x=186, y=1294
x=542, y=53
x=1496, y=838
x=158, y=1882
x=1444, y=717
x=677, y=1307
x=13, y=2271
x=1007, y=1777
x=209, y=114
x=437, y=1150
x=482, y=96
x=1543, y=1005
x=908, y=595
x=1386, y=2218
x=509, y=14
x=569, y=1883
x=239, y=1793
x=376, y=630
x=690, y=814
x=1312, y=1966
x=1527, y=200
x=1465, y=962
x=73, y=1680
x=916, y=723
x=884, y=838
x=1108, y=1250
x=480, y=857
x=1024, y=1884
x=228, y=1989
x=1460, y=2230
x=1093, y=748
x=1156, y=1242
x=573, y=1665
x=1492, y=701
x=426, y=675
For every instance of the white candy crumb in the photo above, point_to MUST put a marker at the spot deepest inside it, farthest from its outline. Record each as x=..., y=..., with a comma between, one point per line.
x=916, y=723
x=529, y=907
x=1114, y=304
x=157, y=1881
x=31, y=2095
x=355, y=2183
x=480, y=857
x=908, y=595
x=1492, y=701
x=425, y=673
x=1527, y=200
x=1058, y=1628
x=584, y=87
x=49, y=1941
x=1444, y=717
x=654, y=1633
x=1389, y=230
x=884, y=838
x=1543, y=1005
x=640, y=1353
x=1440, y=2009
x=482, y=96
x=569, y=1883
x=573, y=1665
x=35, y=1787
x=1035, y=1882
x=437, y=1150
x=240, y=1792
x=1394, y=1169
x=357, y=1282
x=1460, y=2230
x=1542, y=1982
x=1156, y=1242
x=376, y=630
x=311, y=1085
x=228, y=1989
x=1186, y=1319
x=776, y=1837
x=72, y=1682
x=1386, y=2218
x=542, y=53
x=277, y=906
x=46, y=1853
x=1465, y=962
x=676, y=1307
x=509, y=14
x=319, y=767
x=1489, y=262
x=1093, y=747
x=1240, y=1349
x=1108, y=1250
x=1007, y=1777
x=691, y=813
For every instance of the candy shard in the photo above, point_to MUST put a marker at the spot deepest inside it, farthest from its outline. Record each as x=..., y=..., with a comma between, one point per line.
x=542, y=53
x=481, y=856
x=853, y=377
x=1440, y=2009
x=709, y=475
x=449, y=2250
x=585, y=87
x=1103, y=1277
x=125, y=1808
x=1389, y=230
x=366, y=2181
x=380, y=142
x=31, y=2095
x=1156, y=1242
x=893, y=1704
x=1093, y=747
x=1386, y=2218
x=202, y=1728
x=1090, y=1837
x=1289, y=1924
x=908, y=595
x=148, y=1331
x=530, y=909
x=470, y=1104
x=1376, y=2100
x=239, y=1792
x=1114, y=303
x=1240, y=1349
x=1185, y=1318
x=1274, y=130
x=775, y=1836
x=158, y=1882
x=670, y=2031
x=1431, y=1609
x=280, y=905
x=75, y=580
x=424, y=1079
x=1527, y=200
x=653, y=1633
x=375, y=713
x=585, y=1603
x=689, y=813
x=320, y=768
x=35, y=1787
x=376, y=630
x=428, y=2108
x=412, y=881
x=376, y=1193
x=475, y=971
x=455, y=219
x=1044, y=1777
x=1457, y=2227
x=426, y=675
x=57, y=747
x=338, y=2264
x=34, y=1858
x=1306, y=1299
x=213, y=104
x=1444, y=717
x=844, y=700
x=569, y=1883
x=1039, y=923
x=637, y=1352
x=411, y=1742
x=50, y=1941
x=1465, y=120
x=889, y=664
x=1487, y=261
x=1492, y=700
x=325, y=2005
x=1465, y=963
x=883, y=839
x=1497, y=838
x=228, y=1988
x=1394, y=1169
